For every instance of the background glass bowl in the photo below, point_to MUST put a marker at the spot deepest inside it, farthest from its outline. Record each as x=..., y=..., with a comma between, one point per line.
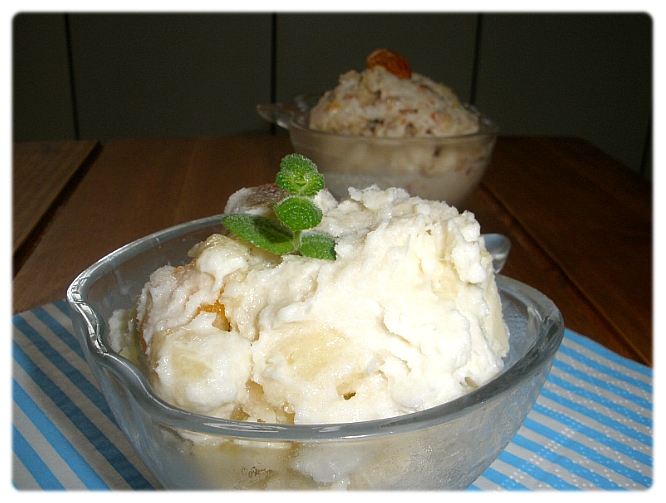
x=445, y=168
x=445, y=447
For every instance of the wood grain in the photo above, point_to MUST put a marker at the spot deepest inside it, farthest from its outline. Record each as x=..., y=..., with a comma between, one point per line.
x=530, y=264
x=592, y=216
x=574, y=216
x=41, y=171
x=134, y=188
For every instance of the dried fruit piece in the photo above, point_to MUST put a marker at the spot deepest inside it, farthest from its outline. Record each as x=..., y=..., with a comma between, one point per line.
x=392, y=61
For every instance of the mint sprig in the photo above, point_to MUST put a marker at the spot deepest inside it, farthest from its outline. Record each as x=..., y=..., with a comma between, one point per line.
x=261, y=231
x=318, y=245
x=299, y=176
x=297, y=212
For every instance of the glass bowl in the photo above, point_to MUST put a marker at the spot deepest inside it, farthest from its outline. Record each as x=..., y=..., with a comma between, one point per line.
x=442, y=168
x=445, y=447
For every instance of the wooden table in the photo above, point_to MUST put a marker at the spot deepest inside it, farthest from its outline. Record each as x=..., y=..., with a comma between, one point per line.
x=44, y=173
x=580, y=222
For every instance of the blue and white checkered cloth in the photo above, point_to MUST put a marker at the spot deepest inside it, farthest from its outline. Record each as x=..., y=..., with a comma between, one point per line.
x=590, y=428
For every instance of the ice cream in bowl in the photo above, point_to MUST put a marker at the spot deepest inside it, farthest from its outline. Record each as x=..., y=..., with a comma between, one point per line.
x=393, y=127
x=298, y=341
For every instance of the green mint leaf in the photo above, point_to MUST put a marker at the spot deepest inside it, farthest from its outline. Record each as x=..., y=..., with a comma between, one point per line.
x=299, y=176
x=263, y=232
x=318, y=245
x=298, y=213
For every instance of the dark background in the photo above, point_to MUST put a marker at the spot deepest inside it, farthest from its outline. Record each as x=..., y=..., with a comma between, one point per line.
x=107, y=76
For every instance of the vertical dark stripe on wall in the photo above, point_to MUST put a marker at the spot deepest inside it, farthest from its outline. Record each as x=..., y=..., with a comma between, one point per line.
x=646, y=158
x=475, y=65
x=72, y=85
x=273, y=128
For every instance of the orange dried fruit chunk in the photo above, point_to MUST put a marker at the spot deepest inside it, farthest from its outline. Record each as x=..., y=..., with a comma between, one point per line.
x=392, y=61
x=221, y=321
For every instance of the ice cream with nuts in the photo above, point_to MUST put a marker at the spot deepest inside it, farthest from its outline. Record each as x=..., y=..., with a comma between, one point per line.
x=387, y=99
x=390, y=126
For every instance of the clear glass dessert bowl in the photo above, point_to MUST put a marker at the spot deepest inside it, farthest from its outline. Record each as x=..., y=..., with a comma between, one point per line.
x=436, y=168
x=444, y=447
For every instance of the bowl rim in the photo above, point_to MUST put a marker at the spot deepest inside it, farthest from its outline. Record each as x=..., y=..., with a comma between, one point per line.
x=97, y=352
x=296, y=120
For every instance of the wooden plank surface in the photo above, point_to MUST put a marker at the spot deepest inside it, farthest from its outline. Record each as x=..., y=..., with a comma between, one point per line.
x=41, y=170
x=530, y=264
x=137, y=187
x=592, y=216
x=556, y=199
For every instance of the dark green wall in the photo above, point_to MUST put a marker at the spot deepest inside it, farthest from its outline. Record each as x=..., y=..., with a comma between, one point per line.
x=105, y=76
